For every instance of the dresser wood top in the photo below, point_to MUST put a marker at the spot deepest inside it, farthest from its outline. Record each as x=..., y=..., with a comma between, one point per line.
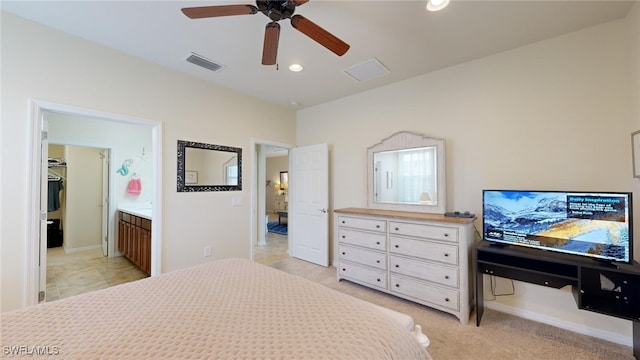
x=405, y=215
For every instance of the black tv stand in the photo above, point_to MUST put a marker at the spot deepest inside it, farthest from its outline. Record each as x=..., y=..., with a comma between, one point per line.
x=498, y=245
x=598, y=287
x=606, y=263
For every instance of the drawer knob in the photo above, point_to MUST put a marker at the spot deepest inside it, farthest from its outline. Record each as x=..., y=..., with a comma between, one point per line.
x=378, y=226
x=377, y=242
x=343, y=269
x=446, y=254
x=378, y=261
x=397, y=265
x=397, y=246
x=378, y=280
x=446, y=235
x=343, y=221
x=397, y=285
x=446, y=299
x=446, y=277
x=343, y=236
x=344, y=253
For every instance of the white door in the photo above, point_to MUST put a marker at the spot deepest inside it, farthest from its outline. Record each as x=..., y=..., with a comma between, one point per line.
x=309, y=203
x=44, y=192
x=105, y=202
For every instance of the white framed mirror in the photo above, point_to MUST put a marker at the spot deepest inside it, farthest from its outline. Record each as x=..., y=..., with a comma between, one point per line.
x=406, y=172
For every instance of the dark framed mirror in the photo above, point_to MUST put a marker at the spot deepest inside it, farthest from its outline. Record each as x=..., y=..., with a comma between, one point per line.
x=284, y=178
x=208, y=167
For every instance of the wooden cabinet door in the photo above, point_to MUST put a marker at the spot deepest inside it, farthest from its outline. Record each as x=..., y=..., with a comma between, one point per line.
x=121, y=235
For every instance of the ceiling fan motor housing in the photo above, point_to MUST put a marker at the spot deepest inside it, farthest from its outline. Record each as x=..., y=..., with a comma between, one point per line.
x=276, y=10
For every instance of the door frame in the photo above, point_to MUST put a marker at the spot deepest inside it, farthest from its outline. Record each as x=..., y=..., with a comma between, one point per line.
x=258, y=177
x=109, y=179
x=34, y=244
x=107, y=199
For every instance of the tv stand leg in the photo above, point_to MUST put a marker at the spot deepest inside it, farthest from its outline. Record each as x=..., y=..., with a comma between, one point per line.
x=480, y=297
x=636, y=339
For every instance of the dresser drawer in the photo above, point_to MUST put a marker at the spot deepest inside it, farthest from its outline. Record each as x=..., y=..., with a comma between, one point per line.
x=363, y=224
x=362, y=238
x=425, y=292
x=363, y=256
x=447, y=254
x=440, y=274
x=441, y=233
x=359, y=273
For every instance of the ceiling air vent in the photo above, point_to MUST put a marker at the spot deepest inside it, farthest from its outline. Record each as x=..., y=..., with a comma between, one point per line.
x=204, y=62
x=368, y=70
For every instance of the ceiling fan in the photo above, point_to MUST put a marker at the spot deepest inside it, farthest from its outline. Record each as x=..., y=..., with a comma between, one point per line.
x=276, y=11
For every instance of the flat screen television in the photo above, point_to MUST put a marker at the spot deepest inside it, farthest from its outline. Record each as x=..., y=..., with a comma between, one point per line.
x=591, y=224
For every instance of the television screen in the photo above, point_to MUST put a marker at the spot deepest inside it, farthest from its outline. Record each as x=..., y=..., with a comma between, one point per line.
x=593, y=224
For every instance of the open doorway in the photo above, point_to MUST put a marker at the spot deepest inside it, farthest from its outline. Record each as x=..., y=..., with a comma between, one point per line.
x=272, y=241
x=110, y=133
x=78, y=229
x=307, y=205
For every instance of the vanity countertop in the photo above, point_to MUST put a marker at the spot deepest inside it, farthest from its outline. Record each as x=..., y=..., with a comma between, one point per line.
x=137, y=210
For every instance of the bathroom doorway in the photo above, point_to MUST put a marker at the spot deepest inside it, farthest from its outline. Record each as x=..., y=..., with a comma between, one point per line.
x=88, y=128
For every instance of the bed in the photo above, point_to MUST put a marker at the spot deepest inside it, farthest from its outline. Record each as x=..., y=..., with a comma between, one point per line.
x=227, y=309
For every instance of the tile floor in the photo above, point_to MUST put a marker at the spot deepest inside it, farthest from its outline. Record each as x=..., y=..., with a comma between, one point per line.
x=77, y=273
x=275, y=249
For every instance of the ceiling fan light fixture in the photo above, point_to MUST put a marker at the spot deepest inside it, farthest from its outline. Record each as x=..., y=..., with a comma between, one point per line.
x=436, y=5
x=296, y=67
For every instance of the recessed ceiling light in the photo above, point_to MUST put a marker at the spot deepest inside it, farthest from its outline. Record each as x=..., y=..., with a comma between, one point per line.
x=435, y=5
x=295, y=67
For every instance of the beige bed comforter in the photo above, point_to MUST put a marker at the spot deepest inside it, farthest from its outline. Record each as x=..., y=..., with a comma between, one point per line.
x=228, y=309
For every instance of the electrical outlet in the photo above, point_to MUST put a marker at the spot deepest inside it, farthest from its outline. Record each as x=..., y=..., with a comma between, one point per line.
x=207, y=251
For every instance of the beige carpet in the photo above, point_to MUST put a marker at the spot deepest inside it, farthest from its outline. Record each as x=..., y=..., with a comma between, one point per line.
x=500, y=336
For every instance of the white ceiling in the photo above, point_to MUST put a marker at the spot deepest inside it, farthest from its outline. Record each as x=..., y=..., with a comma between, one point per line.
x=402, y=35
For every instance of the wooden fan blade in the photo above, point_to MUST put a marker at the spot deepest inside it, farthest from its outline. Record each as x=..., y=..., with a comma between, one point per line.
x=320, y=35
x=270, y=47
x=221, y=10
x=299, y=2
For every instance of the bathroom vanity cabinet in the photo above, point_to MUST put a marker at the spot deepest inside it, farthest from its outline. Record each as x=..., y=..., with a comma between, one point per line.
x=134, y=239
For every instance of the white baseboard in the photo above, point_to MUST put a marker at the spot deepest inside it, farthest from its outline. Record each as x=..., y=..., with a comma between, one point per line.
x=84, y=248
x=566, y=325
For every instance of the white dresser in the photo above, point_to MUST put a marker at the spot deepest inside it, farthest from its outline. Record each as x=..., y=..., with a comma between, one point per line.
x=425, y=258
x=280, y=202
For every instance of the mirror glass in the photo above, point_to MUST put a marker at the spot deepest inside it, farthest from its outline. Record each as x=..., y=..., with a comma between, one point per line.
x=208, y=167
x=406, y=172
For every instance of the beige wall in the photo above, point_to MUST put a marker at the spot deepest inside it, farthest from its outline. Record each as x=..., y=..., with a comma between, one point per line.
x=634, y=36
x=44, y=64
x=552, y=115
x=83, y=188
